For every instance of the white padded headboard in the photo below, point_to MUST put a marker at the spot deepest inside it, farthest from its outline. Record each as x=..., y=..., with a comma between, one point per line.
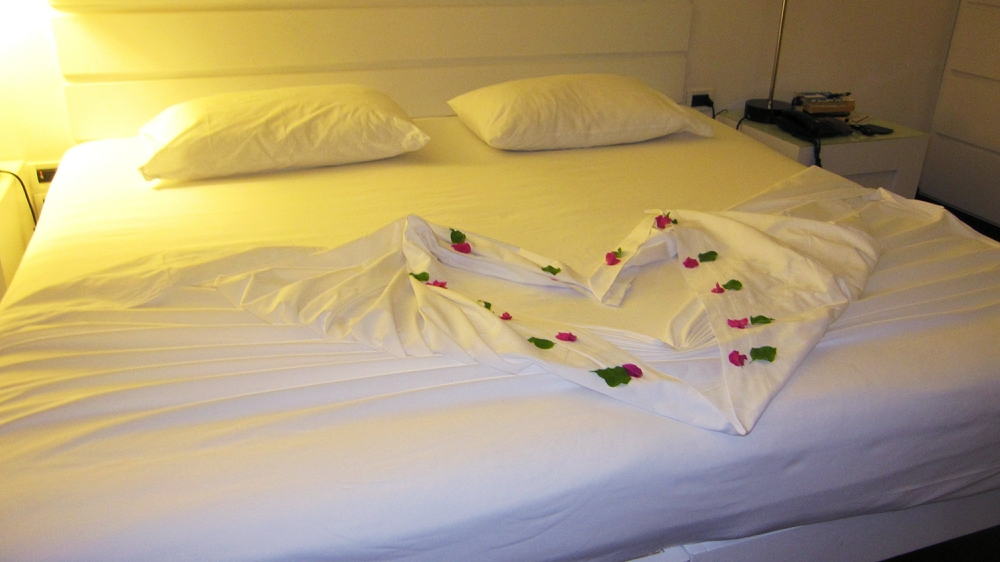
x=126, y=60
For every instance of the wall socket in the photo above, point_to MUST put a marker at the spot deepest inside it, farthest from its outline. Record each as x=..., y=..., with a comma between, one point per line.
x=45, y=175
x=693, y=96
x=39, y=182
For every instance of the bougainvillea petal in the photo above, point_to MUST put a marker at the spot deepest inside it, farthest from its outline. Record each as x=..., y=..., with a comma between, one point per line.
x=422, y=276
x=737, y=358
x=614, y=376
x=633, y=370
x=457, y=237
x=611, y=258
x=710, y=255
x=718, y=290
x=732, y=285
x=436, y=283
x=761, y=319
x=541, y=343
x=765, y=353
x=739, y=324
x=552, y=270
x=462, y=248
x=505, y=316
x=662, y=221
x=566, y=336
x=690, y=263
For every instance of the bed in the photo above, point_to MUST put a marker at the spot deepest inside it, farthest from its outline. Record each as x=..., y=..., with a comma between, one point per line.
x=172, y=388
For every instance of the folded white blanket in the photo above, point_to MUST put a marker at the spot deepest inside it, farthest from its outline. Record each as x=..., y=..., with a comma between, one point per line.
x=770, y=285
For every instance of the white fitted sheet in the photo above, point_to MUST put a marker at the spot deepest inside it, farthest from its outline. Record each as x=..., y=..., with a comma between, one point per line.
x=192, y=430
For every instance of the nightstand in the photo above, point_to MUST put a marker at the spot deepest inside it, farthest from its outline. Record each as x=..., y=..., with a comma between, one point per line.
x=892, y=161
x=15, y=222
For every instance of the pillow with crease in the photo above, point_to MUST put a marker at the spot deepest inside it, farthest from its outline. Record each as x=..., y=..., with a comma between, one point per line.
x=572, y=111
x=265, y=130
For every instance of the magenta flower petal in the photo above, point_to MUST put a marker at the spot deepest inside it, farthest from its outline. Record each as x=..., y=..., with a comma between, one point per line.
x=566, y=336
x=718, y=289
x=662, y=221
x=505, y=316
x=463, y=248
x=611, y=258
x=739, y=324
x=633, y=370
x=436, y=283
x=690, y=263
x=737, y=358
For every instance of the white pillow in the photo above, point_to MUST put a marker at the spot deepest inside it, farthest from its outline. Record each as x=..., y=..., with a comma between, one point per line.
x=571, y=111
x=244, y=132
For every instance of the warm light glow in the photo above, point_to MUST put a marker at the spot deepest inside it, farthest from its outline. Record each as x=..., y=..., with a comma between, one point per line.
x=35, y=122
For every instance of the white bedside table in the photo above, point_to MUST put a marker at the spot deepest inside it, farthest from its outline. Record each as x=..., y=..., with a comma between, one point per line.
x=892, y=161
x=15, y=222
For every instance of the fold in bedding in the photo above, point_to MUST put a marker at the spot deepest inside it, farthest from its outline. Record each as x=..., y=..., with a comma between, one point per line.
x=769, y=285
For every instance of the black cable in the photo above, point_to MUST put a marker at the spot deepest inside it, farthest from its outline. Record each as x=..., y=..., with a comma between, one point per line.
x=27, y=198
x=816, y=148
x=740, y=122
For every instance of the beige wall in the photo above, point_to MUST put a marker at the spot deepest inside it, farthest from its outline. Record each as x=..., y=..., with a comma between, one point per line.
x=33, y=121
x=890, y=53
x=963, y=160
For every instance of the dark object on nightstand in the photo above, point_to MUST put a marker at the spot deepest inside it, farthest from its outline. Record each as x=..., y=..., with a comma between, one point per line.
x=806, y=127
x=871, y=130
x=763, y=110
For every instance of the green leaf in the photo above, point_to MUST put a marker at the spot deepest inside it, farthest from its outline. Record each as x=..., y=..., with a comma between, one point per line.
x=614, y=376
x=618, y=253
x=542, y=344
x=552, y=270
x=422, y=276
x=486, y=304
x=766, y=353
x=710, y=255
x=761, y=319
x=457, y=237
x=732, y=285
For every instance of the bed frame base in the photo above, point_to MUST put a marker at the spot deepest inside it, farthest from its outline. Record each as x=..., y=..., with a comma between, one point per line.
x=856, y=539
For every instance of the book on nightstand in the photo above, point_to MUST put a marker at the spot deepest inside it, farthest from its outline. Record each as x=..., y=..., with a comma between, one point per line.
x=828, y=104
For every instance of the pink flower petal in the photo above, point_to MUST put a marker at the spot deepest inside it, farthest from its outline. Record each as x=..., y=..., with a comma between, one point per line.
x=436, y=283
x=611, y=258
x=463, y=248
x=566, y=336
x=662, y=221
x=739, y=324
x=737, y=358
x=505, y=316
x=718, y=289
x=633, y=370
x=690, y=263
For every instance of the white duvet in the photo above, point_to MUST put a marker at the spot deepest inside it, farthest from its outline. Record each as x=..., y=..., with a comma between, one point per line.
x=292, y=403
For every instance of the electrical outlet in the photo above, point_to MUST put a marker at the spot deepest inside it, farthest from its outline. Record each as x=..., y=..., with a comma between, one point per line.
x=45, y=175
x=38, y=182
x=700, y=97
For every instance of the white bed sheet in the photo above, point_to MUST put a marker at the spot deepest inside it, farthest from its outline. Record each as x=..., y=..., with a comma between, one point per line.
x=274, y=460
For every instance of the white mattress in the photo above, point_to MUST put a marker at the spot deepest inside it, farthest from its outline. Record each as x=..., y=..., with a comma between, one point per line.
x=125, y=436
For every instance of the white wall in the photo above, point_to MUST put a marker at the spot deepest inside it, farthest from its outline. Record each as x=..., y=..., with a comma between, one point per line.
x=889, y=53
x=34, y=125
x=963, y=161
